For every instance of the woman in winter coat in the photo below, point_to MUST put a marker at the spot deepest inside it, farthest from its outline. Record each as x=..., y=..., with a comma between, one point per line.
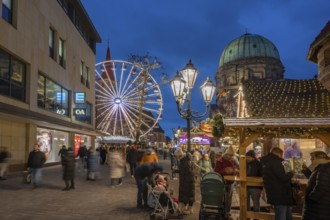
x=117, y=164
x=92, y=164
x=186, y=181
x=205, y=164
x=68, y=162
x=317, y=196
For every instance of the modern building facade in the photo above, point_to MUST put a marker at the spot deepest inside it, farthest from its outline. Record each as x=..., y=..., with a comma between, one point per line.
x=250, y=56
x=47, y=83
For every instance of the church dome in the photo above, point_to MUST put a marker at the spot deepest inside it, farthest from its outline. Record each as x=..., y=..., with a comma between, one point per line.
x=248, y=46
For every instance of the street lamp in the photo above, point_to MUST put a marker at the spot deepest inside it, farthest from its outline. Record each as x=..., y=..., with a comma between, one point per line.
x=181, y=85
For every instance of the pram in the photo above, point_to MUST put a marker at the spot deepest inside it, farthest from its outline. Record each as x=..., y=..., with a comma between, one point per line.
x=213, y=196
x=162, y=202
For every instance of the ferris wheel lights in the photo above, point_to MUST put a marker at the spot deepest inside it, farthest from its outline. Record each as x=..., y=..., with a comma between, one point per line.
x=118, y=100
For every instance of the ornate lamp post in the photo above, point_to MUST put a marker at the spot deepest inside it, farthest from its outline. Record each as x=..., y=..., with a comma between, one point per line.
x=182, y=85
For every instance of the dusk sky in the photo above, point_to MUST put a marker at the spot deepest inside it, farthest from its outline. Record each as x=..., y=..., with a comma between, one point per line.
x=176, y=31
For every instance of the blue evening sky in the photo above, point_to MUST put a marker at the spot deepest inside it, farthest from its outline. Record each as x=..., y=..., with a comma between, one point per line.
x=178, y=30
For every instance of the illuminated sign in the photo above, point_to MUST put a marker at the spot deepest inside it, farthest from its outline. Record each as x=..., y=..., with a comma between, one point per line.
x=79, y=97
x=79, y=111
x=60, y=97
x=61, y=111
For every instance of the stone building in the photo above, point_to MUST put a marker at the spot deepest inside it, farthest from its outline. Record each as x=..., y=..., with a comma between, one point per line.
x=248, y=57
x=47, y=88
x=319, y=52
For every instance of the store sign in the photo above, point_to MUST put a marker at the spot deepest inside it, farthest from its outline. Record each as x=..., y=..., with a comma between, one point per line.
x=61, y=111
x=79, y=97
x=80, y=111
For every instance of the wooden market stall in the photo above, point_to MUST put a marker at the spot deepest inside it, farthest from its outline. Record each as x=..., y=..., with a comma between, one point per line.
x=277, y=109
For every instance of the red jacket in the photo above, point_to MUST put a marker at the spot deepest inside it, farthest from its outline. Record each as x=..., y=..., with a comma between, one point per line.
x=221, y=164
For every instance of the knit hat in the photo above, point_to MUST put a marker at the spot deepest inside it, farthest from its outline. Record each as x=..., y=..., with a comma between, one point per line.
x=251, y=153
x=230, y=151
x=178, y=152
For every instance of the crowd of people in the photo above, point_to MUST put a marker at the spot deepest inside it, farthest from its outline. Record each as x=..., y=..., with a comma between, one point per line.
x=142, y=164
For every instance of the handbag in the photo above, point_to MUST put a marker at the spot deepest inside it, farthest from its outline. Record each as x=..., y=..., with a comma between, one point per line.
x=27, y=176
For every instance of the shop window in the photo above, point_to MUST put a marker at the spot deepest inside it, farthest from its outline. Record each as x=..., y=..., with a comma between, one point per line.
x=61, y=52
x=52, y=96
x=7, y=10
x=12, y=77
x=85, y=113
x=51, y=42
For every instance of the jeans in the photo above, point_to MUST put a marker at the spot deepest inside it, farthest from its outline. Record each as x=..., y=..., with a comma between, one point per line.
x=228, y=196
x=255, y=194
x=282, y=212
x=36, y=176
x=142, y=191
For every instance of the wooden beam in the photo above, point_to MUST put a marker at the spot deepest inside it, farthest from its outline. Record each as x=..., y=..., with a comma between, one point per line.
x=323, y=137
x=267, y=216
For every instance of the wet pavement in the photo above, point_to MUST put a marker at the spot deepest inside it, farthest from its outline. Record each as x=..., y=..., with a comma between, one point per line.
x=89, y=200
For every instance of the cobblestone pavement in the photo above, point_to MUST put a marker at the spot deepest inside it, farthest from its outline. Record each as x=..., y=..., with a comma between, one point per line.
x=90, y=200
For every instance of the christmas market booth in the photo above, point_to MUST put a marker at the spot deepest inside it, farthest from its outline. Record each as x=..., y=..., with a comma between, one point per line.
x=298, y=109
x=199, y=139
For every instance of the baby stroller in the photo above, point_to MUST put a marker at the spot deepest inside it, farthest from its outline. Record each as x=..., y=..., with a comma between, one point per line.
x=162, y=202
x=212, y=194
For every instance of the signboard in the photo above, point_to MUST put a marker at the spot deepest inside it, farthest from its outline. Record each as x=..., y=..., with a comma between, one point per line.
x=61, y=97
x=79, y=111
x=195, y=140
x=61, y=111
x=79, y=97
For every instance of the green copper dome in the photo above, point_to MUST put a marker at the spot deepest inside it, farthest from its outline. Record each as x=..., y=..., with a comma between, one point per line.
x=248, y=45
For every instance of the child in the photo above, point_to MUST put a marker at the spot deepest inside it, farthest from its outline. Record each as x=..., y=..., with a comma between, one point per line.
x=161, y=187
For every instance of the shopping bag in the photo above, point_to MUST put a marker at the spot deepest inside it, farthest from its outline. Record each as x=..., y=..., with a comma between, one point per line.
x=27, y=176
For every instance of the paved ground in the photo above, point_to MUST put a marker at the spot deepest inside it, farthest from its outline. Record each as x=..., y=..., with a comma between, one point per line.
x=90, y=199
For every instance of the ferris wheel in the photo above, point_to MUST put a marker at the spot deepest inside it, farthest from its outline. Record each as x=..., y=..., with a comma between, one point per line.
x=128, y=99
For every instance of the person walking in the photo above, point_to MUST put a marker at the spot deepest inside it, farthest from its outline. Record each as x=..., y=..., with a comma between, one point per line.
x=186, y=181
x=253, y=169
x=103, y=154
x=82, y=153
x=132, y=159
x=225, y=166
x=68, y=163
x=92, y=164
x=142, y=174
x=277, y=183
x=149, y=156
x=4, y=157
x=35, y=162
x=62, y=153
x=317, y=195
x=117, y=167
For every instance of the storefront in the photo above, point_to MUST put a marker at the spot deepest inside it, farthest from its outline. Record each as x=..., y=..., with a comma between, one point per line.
x=51, y=141
x=80, y=140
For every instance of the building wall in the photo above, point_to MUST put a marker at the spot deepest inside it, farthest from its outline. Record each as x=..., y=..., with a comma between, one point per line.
x=27, y=40
x=323, y=60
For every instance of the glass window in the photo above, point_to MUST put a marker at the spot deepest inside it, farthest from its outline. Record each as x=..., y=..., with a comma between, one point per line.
x=87, y=77
x=87, y=108
x=12, y=77
x=82, y=79
x=41, y=91
x=51, y=42
x=7, y=10
x=61, y=52
x=52, y=96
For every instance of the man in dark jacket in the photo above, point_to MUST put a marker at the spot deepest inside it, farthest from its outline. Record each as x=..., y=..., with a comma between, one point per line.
x=131, y=159
x=142, y=174
x=35, y=162
x=253, y=169
x=277, y=183
x=62, y=153
x=317, y=196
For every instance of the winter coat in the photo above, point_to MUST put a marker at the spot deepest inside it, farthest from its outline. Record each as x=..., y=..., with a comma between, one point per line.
x=68, y=165
x=132, y=155
x=225, y=167
x=186, y=180
x=147, y=170
x=149, y=156
x=317, y=196
x=92, y=161
x=36, y=159
x=205, y=166
x=116, y=164
x=254, y=169
x=277, y=182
